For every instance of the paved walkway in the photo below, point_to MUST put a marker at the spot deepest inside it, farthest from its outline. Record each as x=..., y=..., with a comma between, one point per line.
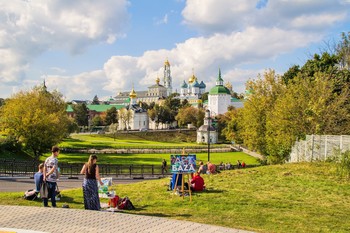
x=25, y=219
x=21, y=184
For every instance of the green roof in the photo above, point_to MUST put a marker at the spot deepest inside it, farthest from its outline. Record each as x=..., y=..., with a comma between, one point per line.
x=233, y=99
x=69, y=108
x=219, y=90
x=97, y=107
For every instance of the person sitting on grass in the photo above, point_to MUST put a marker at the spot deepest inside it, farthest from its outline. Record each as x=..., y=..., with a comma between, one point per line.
x=197, y=183
x=211, y=168
x=38, y=177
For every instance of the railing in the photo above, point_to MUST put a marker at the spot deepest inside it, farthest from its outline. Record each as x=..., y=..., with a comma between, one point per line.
x=147, y=150
x=15, y=168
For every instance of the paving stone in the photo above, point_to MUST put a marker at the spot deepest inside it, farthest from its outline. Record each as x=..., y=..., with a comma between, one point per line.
x=26, y=219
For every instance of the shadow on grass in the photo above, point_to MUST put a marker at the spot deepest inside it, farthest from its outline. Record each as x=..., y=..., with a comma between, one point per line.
x=161, y=215
x=211, y=191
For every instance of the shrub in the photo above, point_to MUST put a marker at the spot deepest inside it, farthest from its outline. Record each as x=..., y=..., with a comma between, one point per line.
x=343, y=165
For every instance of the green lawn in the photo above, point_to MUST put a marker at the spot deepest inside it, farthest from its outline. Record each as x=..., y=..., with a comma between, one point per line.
x=153, y=159
x=306, y=197
x=132, y=140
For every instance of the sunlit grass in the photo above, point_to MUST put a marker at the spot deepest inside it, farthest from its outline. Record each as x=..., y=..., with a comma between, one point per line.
x=153, y=159
x=305, y=197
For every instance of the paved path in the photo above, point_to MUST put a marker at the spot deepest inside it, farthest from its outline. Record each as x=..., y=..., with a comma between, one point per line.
x=25, y=219
x=9, y=184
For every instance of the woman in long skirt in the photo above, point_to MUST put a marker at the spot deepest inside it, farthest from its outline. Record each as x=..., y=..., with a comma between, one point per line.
x=90, y=188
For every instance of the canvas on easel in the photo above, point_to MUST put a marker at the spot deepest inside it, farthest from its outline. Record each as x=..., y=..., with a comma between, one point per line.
x=181, y=166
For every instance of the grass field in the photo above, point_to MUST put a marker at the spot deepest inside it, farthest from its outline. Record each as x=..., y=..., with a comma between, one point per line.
x=132, y=139
x=154, y=159
x=306, y=197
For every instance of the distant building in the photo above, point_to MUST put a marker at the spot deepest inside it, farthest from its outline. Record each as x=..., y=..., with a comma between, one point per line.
x=192, y=91
x=207, y=133
x=155, y=93
x=219, y=98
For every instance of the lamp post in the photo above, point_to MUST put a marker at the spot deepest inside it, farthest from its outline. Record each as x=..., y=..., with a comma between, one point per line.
x=208, y=123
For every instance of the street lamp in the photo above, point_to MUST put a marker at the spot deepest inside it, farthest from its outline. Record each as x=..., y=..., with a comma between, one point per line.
x=207, y=116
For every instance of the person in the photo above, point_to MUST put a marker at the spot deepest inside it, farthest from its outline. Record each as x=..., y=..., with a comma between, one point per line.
x=50, y=176
x=164, y=167
x=243, y=164
x=38, y=177
x=197, y=183
x=222, y=166
x=202, y=168
x=90, y=188
x=239, y=165
x=173, y=184
x=211, y=168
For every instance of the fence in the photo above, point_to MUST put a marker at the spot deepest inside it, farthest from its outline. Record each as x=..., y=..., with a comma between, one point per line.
x=16, y=168
x=318, y=147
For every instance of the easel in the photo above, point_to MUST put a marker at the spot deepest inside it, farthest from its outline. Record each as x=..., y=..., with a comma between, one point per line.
x=183, y=191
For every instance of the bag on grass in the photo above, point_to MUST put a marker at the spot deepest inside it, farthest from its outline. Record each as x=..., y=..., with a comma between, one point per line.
x=126, y=204
x=30, y=194
x=43, y=190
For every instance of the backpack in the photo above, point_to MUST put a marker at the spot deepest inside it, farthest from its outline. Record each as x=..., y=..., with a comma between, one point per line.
x=30, y=194
x=126, y=204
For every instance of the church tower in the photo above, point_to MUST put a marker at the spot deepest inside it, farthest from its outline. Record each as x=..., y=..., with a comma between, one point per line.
x=219, y=97
x=133, y=96
x=167, y=78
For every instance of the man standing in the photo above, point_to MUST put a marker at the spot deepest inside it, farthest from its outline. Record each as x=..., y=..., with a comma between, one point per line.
x=164, y=168
x=50, y=176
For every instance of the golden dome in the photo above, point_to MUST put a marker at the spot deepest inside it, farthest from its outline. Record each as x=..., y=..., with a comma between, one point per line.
x=132, y=93
x=166, y=63
x=192, y=79
x=157, y=80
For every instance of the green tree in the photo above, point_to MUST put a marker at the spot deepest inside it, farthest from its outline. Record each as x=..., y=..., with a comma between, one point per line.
x=35, y=118
x=81, y=114
x=252, y=122
x=231, y=129
x=97, y=121
x=113, y=129
x=111, y=116
x=2, y=102
x=190, y=115
x=154, y=114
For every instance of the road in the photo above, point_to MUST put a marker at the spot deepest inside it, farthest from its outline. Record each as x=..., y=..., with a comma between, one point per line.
x=10, y=184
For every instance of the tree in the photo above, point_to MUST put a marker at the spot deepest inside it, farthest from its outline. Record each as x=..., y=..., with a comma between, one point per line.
x=252, y=122
x=231, y=131
x=113, y=129
x=97, y=121
x=81, y=114
x=343, y=51
x=95, y=100
x=36, y=118
x=190, y=115
x=125, y=116
x=111, y=116
x=2, y=102
x=154, y=114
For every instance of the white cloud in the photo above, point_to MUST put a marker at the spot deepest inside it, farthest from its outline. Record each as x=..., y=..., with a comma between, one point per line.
x=205, y=55
x=227, y=15
x=233, y=35
x=85, y=85
x=29, y=28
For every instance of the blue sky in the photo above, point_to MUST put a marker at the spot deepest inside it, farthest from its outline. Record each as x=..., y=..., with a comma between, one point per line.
x=85, y=48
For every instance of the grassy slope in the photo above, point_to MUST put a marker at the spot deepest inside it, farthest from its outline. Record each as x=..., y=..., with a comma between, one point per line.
x=306, y=197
